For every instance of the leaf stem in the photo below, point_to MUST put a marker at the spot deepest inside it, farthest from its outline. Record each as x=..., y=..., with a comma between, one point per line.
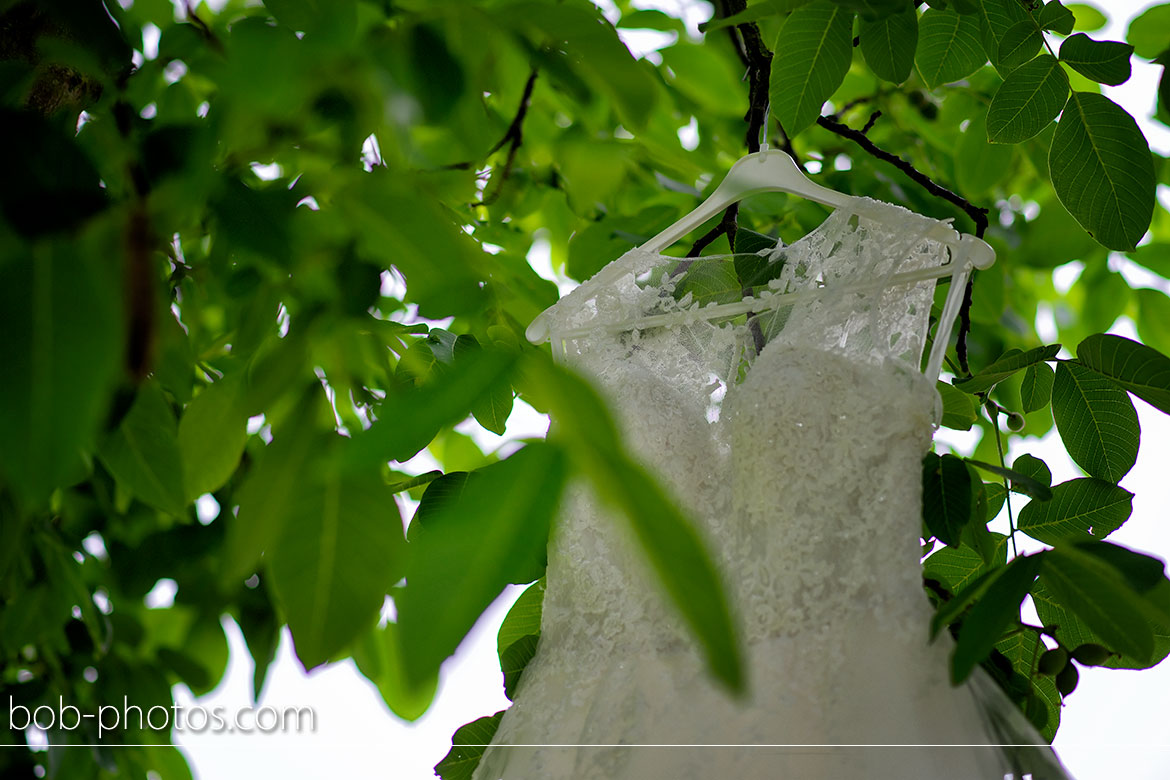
x=993, y=413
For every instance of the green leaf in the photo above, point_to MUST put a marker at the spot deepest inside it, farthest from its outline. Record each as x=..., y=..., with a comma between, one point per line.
x=704, y=75
x=473, y=535
x=1007, y=364
x=1019, y=44
x=1036, y=387
x=1098, y=595
x=212, y=434
x=1080, y=509
x=467, y=747
x=1143, y=371
x=955, y=567
x=888, y=44
x=651, y=19
x=1071, y=631
x=1096, y=421
x=753, y=13
x=958, y=408
x=817, y=42
x=1088, y=18
x=494, y=406
x=948, y=47
x=269, y=494
x=874, y=9
x=409, y=420
x=515, y=659
x=1031, y=466
x=998, y=19
x=60, y=345
x=1029, y=98
x=665, y=535
x=523, y=618
x=338, y=553
x=946, y=496
x=1021, y=483
x=378, y=655
x=1154, y=256
x=1149, y=33
x=980, y=165
x=1055, y=17
x=996, y=611
x=1106, y=62
x=1102, y=171
x=143, y=453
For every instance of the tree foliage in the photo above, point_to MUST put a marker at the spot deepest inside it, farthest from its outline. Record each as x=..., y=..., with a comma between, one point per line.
x=254, y=260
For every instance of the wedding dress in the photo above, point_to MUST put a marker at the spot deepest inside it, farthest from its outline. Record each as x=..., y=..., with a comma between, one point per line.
x=793, y=434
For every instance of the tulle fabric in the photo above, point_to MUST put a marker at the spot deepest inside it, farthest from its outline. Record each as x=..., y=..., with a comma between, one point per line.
x=793, y=434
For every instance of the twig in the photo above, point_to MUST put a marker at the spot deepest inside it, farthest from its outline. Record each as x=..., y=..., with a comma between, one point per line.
x=515, y=136
x=757, y=58
x=873, y=118
x=727, y=226
x=978, y=215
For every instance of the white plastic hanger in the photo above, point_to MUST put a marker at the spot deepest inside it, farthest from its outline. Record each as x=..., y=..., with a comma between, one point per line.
x=775, y=171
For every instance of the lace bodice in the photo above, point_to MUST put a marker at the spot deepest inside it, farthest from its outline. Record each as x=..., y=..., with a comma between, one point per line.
x=793, y=434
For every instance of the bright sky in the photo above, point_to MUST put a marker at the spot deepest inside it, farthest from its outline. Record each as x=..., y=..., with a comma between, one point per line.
x=1116, y=725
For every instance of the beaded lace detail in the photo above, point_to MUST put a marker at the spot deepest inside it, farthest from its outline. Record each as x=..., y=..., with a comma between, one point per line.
x=792, y=434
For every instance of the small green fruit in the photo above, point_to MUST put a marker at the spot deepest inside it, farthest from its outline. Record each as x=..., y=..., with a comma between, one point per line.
x=1053, y=661
x=1066, y=681
x=1091, y=654
x=1015, y=421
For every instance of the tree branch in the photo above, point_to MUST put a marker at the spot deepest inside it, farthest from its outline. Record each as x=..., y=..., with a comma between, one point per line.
x=514, y=135
x=978, y=215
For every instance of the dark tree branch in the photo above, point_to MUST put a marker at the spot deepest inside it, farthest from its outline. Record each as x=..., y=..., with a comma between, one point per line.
x=514, y=135
x=873, y=118
x=978, y=215
x=727, y=226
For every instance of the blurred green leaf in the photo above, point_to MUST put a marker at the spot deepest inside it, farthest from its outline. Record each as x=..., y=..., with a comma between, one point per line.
x=60, y=341
x=997, y=610
x=665, y=535
x=1100, y=597
x=378, y=655
x=1149, y=32
x=339, y=549
x=212, y=434
x=472, y=536
x=143, y=453
x=1088, y=18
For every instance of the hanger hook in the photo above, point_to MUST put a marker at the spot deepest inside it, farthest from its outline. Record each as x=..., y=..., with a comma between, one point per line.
x=764, y=131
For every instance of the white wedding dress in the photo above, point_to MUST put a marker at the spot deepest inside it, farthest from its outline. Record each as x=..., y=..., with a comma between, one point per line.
x=801, y=466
